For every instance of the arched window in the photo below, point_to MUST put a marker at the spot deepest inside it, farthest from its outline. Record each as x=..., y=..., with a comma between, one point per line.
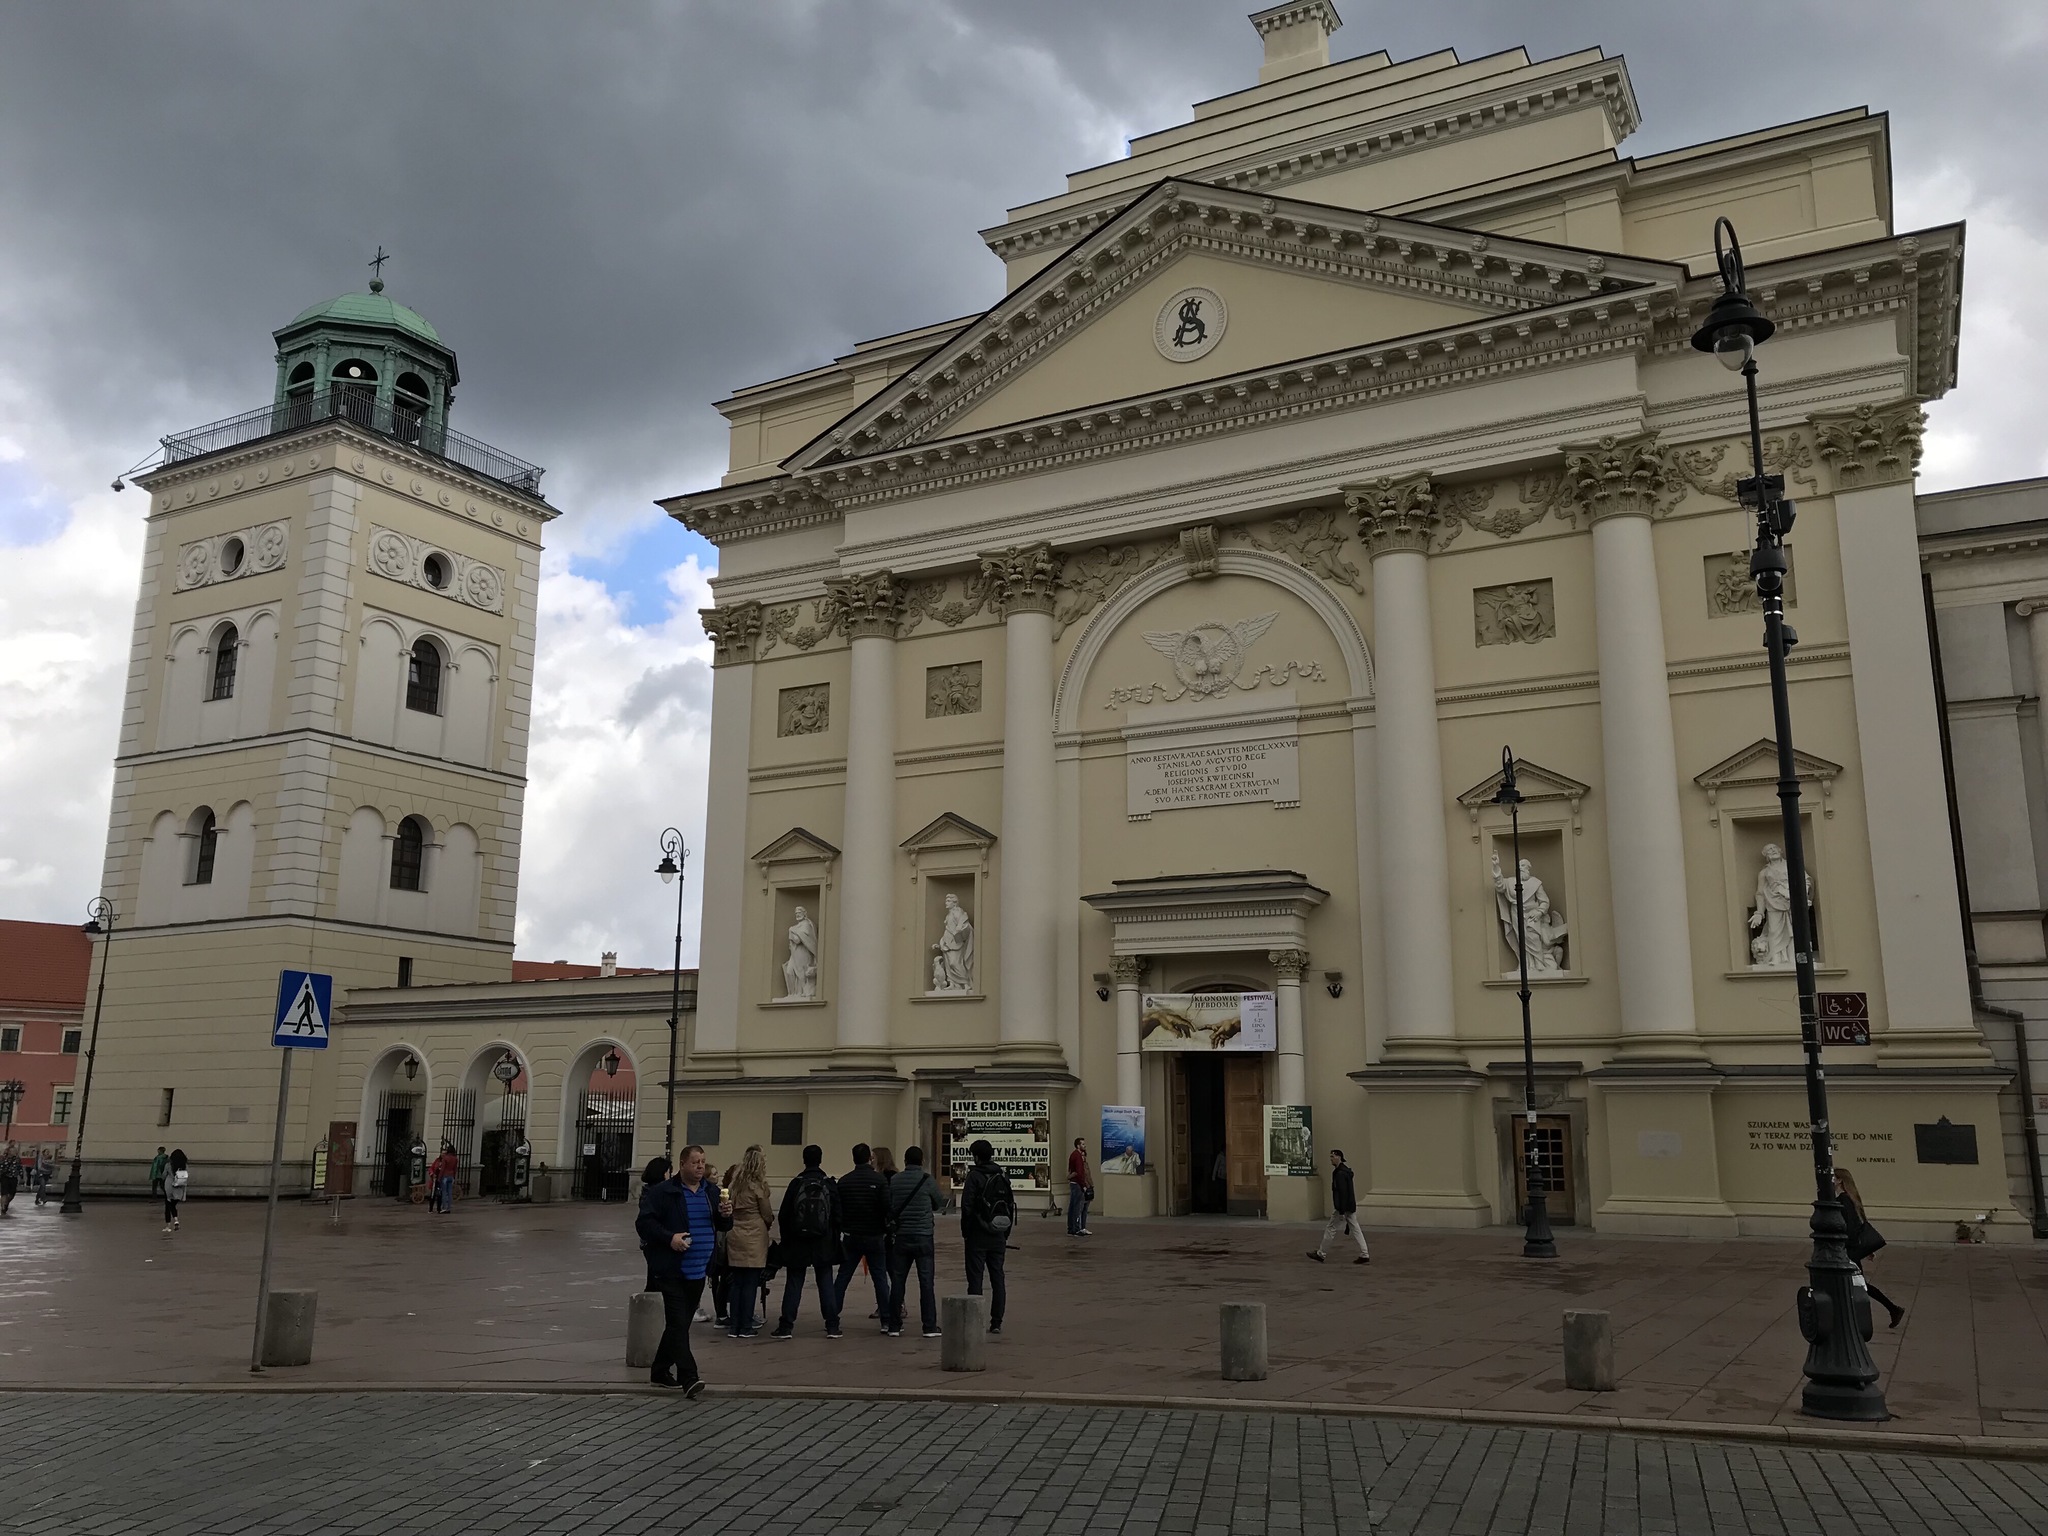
x=409, y=403
x=355, y=390
x=423, y=678
x=205, y=843
x=408, y=852
x=298, y=396
x=226, y=652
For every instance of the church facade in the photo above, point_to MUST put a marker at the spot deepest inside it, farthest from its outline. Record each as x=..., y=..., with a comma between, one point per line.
x=1156, y=635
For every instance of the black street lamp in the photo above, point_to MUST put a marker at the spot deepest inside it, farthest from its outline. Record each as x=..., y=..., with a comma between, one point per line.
x=1538, y=1242
x=1834, y=1313
x=99, y=919
x=11, y=1093
x=674, y=855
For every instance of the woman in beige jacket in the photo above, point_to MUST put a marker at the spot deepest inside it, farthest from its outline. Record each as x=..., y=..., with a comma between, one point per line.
x=746, y=1245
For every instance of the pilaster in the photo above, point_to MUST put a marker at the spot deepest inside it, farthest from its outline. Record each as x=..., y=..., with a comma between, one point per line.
x=734, y=630
x=1290, y=1076
x=867, y=924
x=1128, y=972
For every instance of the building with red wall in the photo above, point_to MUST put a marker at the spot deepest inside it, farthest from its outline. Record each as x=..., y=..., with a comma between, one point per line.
x=43, y=973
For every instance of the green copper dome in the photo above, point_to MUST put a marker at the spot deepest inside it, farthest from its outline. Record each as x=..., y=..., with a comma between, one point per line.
x=369, y=309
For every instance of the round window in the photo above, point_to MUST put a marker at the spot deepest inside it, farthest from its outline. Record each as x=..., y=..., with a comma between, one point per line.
x=231, y=554
x=435, y=568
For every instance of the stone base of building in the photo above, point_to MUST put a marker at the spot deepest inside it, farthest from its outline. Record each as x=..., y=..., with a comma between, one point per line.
x=1127, y=1194
x=1295, y=1199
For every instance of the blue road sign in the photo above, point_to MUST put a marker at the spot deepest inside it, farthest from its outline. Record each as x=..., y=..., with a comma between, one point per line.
x=305, y=1005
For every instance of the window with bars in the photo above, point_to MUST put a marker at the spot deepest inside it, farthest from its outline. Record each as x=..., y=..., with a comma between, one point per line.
x=408, y=853
x=423, y=678
x=226, y=652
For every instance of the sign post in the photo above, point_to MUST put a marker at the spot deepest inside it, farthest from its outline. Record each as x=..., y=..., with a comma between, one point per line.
x=305, y=1006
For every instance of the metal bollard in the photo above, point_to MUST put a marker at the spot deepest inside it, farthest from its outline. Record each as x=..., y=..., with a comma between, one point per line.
x=288, y=1327
x=1244, y=1341
x=644, y=1324
x=963, y=1333
x=1588, y=1352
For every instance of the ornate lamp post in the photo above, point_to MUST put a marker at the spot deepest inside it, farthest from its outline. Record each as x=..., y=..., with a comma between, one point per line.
x=1537, y=1240
x=11, y=1092
x=99, y=919
x=1834, y=1314
x=674, y=855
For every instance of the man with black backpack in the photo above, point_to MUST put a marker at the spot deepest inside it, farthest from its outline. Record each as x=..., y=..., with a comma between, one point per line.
x=864, y=1225
x=810, y=1224
x=988, y=1215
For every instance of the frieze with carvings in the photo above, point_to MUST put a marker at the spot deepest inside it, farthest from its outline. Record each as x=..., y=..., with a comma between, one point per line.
x=1209, y=662
x=782, y=625
x=954, y=690
x=231, y=556
x=402, y=558
x=1518, y=613
x=1732, y=590
x=804, y=711
x=1313, y=539
x=1092, y=577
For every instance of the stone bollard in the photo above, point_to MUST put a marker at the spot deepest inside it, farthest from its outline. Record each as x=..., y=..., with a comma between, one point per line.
x=963, y=1333
x=1588, y=1352
x=645, y=1321
x=1244, y=1341
x=288, y=1327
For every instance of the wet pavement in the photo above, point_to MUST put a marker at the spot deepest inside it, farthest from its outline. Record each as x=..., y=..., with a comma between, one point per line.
x=537, y=1294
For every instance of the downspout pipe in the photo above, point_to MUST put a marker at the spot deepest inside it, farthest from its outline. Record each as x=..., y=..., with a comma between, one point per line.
x=2030, y=1136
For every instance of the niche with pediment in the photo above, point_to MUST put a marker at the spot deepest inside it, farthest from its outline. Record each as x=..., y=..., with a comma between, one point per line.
x=949, y=870
x=1551, y=822
x=795, y=884
x=1742, y=804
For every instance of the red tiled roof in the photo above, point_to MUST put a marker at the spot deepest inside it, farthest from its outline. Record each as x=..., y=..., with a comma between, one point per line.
x=43, y=963
x=563, y=970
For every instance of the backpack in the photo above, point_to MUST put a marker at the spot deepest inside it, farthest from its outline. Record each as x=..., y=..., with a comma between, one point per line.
x=812, y=1212
x=995, y=1207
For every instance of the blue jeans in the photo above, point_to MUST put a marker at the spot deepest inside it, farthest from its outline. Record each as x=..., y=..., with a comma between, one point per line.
x=746, y=1285
x=793, y=1293
x=913, y=1250
x=876, y=1251
x=444, y=1194
x=1077, y=1208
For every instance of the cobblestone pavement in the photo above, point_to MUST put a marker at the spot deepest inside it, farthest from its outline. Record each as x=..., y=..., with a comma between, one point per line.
x=96, y=1464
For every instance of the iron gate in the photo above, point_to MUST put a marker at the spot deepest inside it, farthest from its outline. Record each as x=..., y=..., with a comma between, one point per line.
x=458, y=1129
x=497, y=1146
x=604, y=1145
x=400, y=1117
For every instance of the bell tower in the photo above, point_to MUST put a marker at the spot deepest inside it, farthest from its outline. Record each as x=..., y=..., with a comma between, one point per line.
x=323, y=752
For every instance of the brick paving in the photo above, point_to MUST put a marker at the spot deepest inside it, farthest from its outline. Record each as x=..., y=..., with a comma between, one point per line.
x=505, y=1295
x=176, y=1464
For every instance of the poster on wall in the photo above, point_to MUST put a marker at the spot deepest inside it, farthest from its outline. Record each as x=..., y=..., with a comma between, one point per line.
x=1019, y=1129
x=1288, y=1149
x=1208, y=1021
x=1123, y=1138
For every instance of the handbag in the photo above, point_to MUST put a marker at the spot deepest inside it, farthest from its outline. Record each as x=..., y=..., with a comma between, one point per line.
x=1864, y=1241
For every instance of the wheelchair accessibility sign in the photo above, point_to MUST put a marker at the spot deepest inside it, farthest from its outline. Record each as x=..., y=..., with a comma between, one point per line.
x=305, y=1004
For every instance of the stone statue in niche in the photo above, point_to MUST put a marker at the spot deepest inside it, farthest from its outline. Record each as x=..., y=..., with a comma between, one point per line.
x=1770, y=920
x=1520, y=613
x=1542, y=930
x=800, y=970
x=953, y=951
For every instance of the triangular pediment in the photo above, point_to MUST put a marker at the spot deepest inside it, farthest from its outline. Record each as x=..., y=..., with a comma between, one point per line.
x=1758, y=764
x=949, y=831
x=798, y=844
x=1279, y=281
x=1535, y=783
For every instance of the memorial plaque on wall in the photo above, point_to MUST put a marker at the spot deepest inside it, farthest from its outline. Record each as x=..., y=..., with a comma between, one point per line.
x=1176, y=758
x=1943, y=1142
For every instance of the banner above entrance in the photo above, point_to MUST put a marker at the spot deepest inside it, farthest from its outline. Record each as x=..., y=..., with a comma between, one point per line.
x=1209, y=1021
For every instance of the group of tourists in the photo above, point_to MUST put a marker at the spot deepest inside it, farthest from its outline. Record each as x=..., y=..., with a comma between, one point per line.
x=734, y=1239
x=170, y=1180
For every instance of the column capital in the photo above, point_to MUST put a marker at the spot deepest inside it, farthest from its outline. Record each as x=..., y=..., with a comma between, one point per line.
x=870, y=606
x=1020, y=579
x=1289, y=965
x=1128, y=970
x=1615, y=477
x=1871, y=445
x=734, y=630
x=1394, y=515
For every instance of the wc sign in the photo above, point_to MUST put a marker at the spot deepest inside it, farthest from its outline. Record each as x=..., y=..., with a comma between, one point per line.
x=305, y=1006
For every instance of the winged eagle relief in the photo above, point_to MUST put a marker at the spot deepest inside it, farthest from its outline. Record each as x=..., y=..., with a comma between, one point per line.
x=1209, y=661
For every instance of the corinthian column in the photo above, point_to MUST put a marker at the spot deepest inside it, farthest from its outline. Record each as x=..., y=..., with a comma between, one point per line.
x=1128, y=971
x=870, y=606
x=1021, y=583
x=734, y=630
x=1396, y=519
x=1617, y=483
x=1290, y=1078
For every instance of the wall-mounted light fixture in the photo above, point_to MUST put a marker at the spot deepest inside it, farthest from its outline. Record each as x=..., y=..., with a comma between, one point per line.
x=412, y=1067
x=1102, y=985
x=1333, y=981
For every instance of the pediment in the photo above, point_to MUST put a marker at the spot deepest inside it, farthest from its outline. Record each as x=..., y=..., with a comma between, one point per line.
x=1758, y=764
x=797, y=845
x=949, y=831
x=1534, y=781
x=1295, y=280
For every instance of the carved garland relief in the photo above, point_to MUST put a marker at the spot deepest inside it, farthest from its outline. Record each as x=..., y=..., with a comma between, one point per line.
x=1209, y=662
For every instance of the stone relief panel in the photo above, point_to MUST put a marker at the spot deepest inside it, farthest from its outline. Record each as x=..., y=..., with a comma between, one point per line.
x=954, y=690
x=1731, y=591
x=402, y=558
x=229, y=556
x=1315, y=540
x=804, y=711
x=1519, y=613
x=1209, y=661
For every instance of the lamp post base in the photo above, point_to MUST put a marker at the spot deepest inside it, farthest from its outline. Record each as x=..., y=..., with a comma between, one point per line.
x=1537, y=1241
x=1834, y=1317
x=72, y=1205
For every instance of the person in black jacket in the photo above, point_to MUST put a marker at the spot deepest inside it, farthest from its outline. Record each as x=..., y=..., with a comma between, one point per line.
x=864, y=1227
x=810, y=1224
x=1343, y=1213
x=988, y=1213
x=678, y=1225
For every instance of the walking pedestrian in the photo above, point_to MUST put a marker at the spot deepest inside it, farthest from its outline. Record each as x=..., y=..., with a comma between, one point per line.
x=1080, y=1190
x=1864, y=1240
x=657, y=1169
x=809, y=1224
x=157, y=1165
x=678, y=1222
x=177, y=1185
x=988, y=1215
x=746, y=1245
x=913, y=1205
x=1343, y=1213
x=864, y=1224
x=441, y=1180
x=10, y=1175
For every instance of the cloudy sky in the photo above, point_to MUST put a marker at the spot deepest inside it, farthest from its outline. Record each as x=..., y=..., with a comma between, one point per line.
x=616, y=213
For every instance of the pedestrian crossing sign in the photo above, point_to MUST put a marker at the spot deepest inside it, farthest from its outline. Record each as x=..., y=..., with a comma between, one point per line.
x=305, y=1004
